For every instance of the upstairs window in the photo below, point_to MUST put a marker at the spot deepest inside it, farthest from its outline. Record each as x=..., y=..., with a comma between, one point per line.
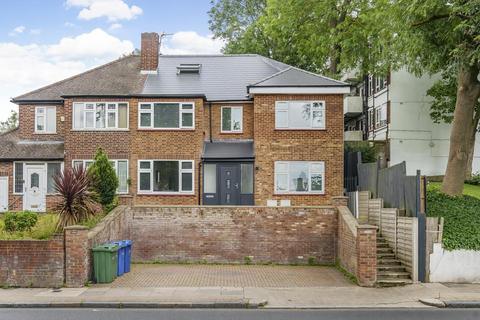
x=46, y=119
x=166, y=115
x=232, y=119
x=302, y=115
x=381, y=116
x=100, y=116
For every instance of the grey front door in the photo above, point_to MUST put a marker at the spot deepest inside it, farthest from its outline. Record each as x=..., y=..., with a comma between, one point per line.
x=229, y=184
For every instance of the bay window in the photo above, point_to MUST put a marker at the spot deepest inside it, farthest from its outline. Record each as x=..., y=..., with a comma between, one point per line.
x=100, y=116
x=46, y=119
x=120, y=167
x=303, y=115
x=299, y=177
x=165, y=176
x=166, y=115
x=232, y=119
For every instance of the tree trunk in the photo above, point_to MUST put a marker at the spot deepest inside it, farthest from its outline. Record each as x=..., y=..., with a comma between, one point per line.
x=471, y=151
x=468, y=92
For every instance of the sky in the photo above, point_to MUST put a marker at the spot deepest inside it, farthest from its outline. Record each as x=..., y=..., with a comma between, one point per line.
x=43, y=41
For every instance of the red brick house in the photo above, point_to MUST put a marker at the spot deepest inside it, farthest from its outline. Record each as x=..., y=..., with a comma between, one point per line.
x=182, y=130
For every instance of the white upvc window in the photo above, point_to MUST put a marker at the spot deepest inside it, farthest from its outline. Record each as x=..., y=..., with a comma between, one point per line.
x=300, y=115
x=121, y=169
x=46, y=119
x=299, y=177
x=100, y=116
x=381, y=116
x=232, y=119
x=166, y=115
x=166, y=177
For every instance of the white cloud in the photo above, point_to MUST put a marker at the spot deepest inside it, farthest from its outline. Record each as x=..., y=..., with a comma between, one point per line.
x=35, y=31
x=190, y=42
x=17, y=30
x=28, y=67
x=69, y=24
x=114, y=10
x=115, y=26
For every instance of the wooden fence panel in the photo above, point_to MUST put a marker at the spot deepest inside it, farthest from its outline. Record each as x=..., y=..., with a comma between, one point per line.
x=374, y=207
x=388, y=226
x=363, y=200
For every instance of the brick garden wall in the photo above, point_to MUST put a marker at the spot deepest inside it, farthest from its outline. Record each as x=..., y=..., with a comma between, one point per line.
x=229, y=234
x=32, y=263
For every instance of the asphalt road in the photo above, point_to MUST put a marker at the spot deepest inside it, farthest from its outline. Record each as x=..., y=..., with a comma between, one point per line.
x=210, y=314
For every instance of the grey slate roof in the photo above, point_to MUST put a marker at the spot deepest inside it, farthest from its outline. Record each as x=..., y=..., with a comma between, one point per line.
x=119, y=77
x=228, y=150
x=221, y=77
x=293, y=76
x=13, y=148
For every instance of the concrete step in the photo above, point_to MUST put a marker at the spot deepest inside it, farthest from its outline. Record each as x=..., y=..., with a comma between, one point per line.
x=393, y=268
x=382, y=255
x=381, y=275
x=384, y=250
x=388, y=261
x=393, y=282
x=382, y=245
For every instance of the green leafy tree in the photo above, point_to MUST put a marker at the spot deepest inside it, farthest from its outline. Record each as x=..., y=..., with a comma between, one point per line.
x=10, y=123
x=444, y=92
x=104, y=178
x=435, y=36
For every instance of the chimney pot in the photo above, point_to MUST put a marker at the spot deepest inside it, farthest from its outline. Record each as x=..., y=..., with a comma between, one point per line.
x=149, y=52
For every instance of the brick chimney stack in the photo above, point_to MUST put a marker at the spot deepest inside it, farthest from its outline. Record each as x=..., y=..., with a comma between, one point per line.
x=149, y=52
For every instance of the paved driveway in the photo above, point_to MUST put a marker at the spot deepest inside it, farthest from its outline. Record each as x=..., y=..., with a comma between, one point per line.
x=160, y=275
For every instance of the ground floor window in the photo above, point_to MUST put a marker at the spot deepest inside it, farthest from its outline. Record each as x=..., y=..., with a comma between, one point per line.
x=121, y=169
x=51, y=169
x=165, y=176
x=299, y=177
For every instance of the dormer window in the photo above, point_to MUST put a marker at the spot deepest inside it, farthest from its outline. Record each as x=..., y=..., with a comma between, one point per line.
x=193, y=68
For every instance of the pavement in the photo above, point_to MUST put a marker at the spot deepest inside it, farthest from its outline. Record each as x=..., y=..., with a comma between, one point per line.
x=212, y=286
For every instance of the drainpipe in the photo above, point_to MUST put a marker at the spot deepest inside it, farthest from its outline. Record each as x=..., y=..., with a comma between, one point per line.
x=210, y=120
x=200, y=176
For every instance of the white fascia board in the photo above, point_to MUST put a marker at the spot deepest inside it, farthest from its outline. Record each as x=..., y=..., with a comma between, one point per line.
x=300, y=90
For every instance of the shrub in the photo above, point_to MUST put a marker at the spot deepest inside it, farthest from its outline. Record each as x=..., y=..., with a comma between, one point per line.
x=20, y=221
x=461, y=215
x=475, y=179
x=78, y=203
x=104, y=178
x=368, y=151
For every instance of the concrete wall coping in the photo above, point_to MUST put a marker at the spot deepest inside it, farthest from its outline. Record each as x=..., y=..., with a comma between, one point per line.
x=349, y=219
x=76, y=227
x=232, y=207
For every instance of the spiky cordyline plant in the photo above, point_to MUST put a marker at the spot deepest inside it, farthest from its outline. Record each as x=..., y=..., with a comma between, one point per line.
x=78, y=203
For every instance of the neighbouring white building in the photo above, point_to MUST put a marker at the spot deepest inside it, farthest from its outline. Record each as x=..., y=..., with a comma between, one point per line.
x=394, y=112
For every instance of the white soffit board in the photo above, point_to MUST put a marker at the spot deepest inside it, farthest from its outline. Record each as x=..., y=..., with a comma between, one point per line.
x=300, y=90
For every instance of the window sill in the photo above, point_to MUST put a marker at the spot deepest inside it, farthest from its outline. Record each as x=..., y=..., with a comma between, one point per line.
x=165, y=194
x=166, y=129
x=300, y=194
x=231, y=132
x=100, y=130
x=44, y=133
x=300, y=129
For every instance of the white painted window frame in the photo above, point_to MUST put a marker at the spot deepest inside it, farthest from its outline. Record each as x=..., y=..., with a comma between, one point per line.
x=115, y=161
x=45, y=119
x=231, y=123
x=181, y=111
x=24, y=164
x=180, y=171
x=287, y=173
x=94, y=104
x=281, y=109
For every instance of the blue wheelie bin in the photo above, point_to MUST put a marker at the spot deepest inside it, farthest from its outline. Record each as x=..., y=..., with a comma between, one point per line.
x=128, y=254
x=121, y=257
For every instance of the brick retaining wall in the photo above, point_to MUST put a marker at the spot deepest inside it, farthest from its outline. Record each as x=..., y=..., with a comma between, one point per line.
x=230, y=234
x=32, y=263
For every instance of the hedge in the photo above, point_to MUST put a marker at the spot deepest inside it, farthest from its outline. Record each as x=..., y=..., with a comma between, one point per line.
x=461, y=219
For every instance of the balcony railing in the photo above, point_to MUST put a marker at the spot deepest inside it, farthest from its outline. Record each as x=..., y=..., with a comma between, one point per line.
x=356, y=135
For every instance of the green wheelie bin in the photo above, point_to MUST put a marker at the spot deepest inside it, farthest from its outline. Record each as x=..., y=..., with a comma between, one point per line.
x=105, y=262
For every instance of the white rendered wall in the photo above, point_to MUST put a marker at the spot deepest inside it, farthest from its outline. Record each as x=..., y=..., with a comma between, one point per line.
x=461, y=266
x=414, y=137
